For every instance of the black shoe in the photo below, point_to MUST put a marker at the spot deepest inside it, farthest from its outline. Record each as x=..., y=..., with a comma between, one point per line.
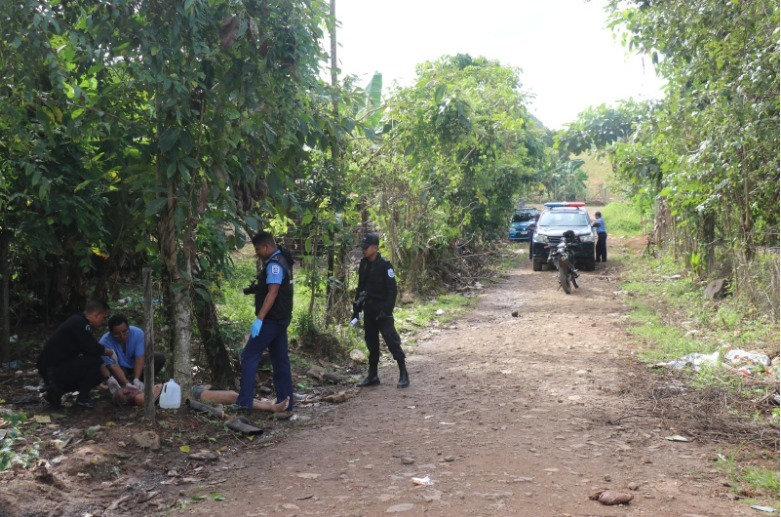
x=85, y=403
x=403, y=376
x=403, y=380
x=371, y=380
x=53, y=395
x=235, y=408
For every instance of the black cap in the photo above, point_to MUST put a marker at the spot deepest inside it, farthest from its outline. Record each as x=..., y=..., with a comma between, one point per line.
x=369, y=240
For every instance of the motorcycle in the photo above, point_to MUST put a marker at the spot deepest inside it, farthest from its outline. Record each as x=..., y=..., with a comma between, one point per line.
x=562, y=257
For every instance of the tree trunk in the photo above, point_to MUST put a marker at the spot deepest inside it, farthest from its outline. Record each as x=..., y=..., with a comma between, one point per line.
x=179, y=289
x=149, y=349
x=5, y=312
x=213, y=344
x=709, y=241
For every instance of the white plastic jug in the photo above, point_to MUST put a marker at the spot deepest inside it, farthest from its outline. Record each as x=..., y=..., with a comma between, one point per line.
x=171, y=396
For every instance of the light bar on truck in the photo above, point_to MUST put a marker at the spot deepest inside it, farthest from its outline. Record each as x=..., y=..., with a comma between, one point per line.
x=559, y=204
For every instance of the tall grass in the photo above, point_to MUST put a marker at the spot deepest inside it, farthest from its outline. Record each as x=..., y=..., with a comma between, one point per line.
x=622, y=219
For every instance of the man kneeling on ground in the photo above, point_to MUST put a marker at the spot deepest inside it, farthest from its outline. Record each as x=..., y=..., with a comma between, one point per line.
x=70, y=359
x=128, y=343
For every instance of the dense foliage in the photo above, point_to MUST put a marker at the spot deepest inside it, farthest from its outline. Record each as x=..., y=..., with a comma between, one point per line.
x=706, y=157
x=456, y=148
x=156, y=133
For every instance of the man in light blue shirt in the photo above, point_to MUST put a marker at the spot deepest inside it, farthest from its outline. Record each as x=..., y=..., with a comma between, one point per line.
x=128, y=342
x=599, y=225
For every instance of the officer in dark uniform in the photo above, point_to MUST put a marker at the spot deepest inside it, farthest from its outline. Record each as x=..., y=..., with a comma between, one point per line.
x=376, y=295
x=71, y=358
x=273, y=311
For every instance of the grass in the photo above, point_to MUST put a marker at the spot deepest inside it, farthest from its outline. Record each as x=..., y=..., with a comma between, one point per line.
x=236, y=310
x=622, y=219
x=671, y=318
x=749, y=480
x=424, y=314
x=600, y=174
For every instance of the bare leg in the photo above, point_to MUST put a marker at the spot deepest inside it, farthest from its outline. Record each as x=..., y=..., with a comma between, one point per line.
x=229, y=397
x=267, y=405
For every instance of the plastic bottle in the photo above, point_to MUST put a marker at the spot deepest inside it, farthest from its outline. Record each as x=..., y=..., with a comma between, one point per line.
x=171, y=396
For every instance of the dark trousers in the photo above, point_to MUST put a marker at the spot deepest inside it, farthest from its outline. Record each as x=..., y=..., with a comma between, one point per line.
x=159, y=363
x=372, y=328
x=602, y=247
x=273, y=336
x=79, y=374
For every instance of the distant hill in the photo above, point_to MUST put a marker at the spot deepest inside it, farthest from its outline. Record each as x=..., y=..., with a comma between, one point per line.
x=600, y=176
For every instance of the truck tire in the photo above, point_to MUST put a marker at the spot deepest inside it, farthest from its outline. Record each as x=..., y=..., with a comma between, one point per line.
x=537, y=264
x=589, y=265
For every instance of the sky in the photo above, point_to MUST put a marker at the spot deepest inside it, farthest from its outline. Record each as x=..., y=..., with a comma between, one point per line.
x=567, y=56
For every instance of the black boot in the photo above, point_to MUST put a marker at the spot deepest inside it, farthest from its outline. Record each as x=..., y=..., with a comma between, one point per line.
x=403, y=376
x=372, y=379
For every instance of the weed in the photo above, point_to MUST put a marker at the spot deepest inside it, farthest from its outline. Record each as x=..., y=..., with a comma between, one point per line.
x=762, y=479
x=15, y=449
x=748, y=478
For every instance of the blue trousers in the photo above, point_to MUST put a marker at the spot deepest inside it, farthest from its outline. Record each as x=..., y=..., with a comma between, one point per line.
x=273, y=336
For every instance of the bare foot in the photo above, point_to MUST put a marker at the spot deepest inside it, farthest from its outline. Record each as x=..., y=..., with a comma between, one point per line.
x=280, y=406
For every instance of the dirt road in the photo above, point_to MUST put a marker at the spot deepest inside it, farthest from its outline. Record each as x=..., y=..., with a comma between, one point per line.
x=506, y=415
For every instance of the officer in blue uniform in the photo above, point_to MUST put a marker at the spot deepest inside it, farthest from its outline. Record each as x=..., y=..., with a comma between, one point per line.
x=377, y=294
x=599, y=225
x=273, y=311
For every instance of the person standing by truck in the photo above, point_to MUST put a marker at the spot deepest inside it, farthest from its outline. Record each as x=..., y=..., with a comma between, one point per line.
x=599, y=225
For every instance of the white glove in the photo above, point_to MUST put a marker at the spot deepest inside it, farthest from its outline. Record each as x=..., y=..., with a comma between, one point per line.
x=113, y=356
x=129, y=385
x=138, y=384
x=354, y=322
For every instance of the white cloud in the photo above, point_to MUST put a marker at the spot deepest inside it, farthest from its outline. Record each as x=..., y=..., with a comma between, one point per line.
x=568, y=58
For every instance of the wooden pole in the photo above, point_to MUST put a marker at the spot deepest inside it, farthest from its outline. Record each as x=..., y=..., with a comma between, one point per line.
x=149, y=349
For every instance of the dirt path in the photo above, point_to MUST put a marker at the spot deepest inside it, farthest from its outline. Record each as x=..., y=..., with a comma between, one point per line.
x=506, y=415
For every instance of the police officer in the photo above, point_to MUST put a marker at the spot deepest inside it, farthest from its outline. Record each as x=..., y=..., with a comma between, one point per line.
x=599, y=224
x=377, y=286
x=273, y=311
x=71, y=358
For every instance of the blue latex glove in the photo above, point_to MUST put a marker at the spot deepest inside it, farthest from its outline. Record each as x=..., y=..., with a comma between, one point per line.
x=254, y=330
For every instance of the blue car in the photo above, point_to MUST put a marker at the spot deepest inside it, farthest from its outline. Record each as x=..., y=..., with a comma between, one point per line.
x=519, y=224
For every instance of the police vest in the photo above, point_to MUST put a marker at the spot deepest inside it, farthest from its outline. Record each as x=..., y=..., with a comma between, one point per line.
x=283, y=305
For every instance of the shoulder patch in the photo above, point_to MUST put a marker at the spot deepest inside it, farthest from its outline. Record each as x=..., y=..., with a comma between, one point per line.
x=275, y=269
x=88, y=328
x=391, y=274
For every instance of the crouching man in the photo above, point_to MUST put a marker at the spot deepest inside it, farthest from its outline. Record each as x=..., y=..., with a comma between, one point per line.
x=128, y=343
x=71, y=358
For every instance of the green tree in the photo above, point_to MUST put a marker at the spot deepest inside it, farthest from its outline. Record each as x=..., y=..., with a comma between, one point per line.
x=710, y=150
x=455, y=149
x=192, y=113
